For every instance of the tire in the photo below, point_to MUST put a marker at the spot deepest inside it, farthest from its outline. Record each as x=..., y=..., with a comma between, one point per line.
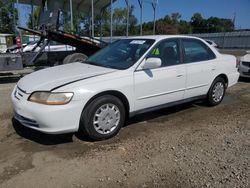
x=76, y=57
x=66, y=59
x=99, y=124
x=216, y=92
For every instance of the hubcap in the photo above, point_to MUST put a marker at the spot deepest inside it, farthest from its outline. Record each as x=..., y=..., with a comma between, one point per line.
x=106, y=118
x=218, y=92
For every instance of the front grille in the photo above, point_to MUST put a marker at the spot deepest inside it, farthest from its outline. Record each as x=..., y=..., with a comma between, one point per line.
x=246, y=63
x=19, y=93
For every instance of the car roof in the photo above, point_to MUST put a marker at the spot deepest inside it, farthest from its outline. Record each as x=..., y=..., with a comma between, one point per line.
x=160, y=37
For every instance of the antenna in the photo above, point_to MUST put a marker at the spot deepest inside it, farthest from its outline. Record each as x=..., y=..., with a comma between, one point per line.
x=234, y=18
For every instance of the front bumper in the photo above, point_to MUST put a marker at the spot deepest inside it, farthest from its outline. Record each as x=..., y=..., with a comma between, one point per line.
x=51, y=119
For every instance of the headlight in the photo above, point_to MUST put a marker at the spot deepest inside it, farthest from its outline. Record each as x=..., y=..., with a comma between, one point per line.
x=49, y=98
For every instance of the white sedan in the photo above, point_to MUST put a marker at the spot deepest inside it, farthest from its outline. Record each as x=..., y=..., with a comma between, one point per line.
x=129, y=77
x=53, y=47
x=244, y=67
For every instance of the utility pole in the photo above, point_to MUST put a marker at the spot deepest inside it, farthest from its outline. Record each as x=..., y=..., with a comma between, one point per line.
x=234, y=18
x=14, y=17
x=141, y=7
x=71, y=15
x=111, y=21
x=127, y=3
x=154, y=5
x=19, y=23
x=92, y=20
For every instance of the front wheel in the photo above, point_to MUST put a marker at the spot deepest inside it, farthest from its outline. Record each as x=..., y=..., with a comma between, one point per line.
x=102, y=118
x=216, y=92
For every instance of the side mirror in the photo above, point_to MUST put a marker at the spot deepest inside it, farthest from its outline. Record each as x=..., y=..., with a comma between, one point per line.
x=151, y=63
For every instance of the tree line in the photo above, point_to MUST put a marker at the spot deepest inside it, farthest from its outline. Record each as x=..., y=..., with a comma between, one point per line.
x=173, y=24
x=169, y=24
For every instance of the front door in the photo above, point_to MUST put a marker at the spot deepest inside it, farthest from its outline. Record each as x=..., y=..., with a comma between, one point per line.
x=162, y=85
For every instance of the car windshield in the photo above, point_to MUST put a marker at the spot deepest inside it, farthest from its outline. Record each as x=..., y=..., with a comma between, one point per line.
x=121, y=54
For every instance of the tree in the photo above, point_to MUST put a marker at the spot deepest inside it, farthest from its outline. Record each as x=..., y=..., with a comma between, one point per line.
x=133, y=28
x=185, y=27
x=172, y=24
x=8, y=16
x=33, y=20
x=227, y=25
x=198, y=23
x=215, y=24
x=169, y=24
x=119, y=22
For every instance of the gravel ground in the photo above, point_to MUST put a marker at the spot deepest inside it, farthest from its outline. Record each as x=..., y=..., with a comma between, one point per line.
x=190, y=145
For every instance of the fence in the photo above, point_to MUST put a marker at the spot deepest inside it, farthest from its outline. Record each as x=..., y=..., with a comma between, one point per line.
x=229, y=40
x=237, y=39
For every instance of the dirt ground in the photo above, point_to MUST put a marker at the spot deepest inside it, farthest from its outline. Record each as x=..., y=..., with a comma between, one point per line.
x=190, y=145
x=235, y=52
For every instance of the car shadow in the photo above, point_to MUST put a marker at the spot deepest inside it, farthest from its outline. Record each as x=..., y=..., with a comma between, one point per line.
x=39, y=137
x=150, y=116
x=245, y=80
x=48, y=139
x=8, y=80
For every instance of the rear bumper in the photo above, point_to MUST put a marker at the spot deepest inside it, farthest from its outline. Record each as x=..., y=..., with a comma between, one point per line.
x=233, y=78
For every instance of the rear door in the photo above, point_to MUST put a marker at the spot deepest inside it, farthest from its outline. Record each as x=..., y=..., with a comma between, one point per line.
x=201, y=66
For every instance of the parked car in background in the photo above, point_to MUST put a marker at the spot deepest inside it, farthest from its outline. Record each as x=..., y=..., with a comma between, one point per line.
x=15, y=48
x=244, y=66
x=27, y=47
x=53, y=46
x=129, y=77
x=212, y=43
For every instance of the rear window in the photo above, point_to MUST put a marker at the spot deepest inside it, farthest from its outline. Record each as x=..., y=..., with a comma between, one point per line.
x=195, y=51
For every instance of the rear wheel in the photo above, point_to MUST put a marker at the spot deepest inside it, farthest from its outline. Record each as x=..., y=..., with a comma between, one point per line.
x=102, y=118
x=76, y=57
x=216, y=92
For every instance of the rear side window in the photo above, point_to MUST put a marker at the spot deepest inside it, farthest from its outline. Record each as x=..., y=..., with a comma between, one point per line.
x=195, y=50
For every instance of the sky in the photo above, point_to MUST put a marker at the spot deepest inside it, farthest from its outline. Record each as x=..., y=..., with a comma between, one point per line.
x=207, y=8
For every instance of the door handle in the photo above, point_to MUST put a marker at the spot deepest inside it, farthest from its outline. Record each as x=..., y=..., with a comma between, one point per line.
x=213, y=69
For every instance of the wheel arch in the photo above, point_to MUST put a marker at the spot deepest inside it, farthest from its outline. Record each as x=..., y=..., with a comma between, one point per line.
x=115, y=93
x=224, y=77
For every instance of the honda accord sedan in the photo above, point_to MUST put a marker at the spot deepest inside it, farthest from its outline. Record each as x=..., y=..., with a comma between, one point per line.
x=131, y=76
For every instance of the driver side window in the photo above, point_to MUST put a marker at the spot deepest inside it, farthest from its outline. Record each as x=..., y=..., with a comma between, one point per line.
x=168, y=52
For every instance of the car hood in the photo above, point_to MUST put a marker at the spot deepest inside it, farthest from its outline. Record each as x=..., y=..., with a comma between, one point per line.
x=51, y=78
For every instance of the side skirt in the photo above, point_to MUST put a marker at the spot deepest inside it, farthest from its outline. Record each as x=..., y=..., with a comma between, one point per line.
x=131, y=114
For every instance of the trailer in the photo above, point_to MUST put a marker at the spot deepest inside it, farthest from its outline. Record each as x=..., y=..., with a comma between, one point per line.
x=48, y=30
